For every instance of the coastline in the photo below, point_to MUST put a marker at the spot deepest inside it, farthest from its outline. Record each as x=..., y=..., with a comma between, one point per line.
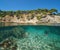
x=25, y=24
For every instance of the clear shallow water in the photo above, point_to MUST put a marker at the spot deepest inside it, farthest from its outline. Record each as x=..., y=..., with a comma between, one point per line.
x=37, y=37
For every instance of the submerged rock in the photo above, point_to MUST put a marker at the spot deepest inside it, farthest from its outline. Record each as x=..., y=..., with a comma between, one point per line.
x=46, y=32
x=17, y=32
x=8, y=44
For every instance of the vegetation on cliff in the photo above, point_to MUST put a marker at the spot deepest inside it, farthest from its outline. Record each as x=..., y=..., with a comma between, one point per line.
x=19, y=12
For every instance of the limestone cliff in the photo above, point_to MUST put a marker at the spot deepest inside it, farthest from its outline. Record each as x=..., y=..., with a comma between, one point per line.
x=28, y=18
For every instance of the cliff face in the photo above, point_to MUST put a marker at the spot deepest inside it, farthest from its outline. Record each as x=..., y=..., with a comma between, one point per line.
x=50, y=19
x=29, y=18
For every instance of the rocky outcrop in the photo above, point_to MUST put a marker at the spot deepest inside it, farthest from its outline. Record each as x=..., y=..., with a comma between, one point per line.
x=8, y=44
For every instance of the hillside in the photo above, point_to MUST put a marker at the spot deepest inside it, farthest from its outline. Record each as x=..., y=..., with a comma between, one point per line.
x=30, y=16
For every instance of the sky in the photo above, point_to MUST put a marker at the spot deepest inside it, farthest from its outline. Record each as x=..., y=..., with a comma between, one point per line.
x=29, y=4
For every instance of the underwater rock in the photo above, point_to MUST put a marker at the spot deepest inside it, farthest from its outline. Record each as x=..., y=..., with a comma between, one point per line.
x=14, y=47
x=8, y=44
x=17, y=32
x=25, y=35
x=46, y=32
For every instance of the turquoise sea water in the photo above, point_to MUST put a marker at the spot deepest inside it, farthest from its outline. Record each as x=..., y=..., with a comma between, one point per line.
x=36, y=37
